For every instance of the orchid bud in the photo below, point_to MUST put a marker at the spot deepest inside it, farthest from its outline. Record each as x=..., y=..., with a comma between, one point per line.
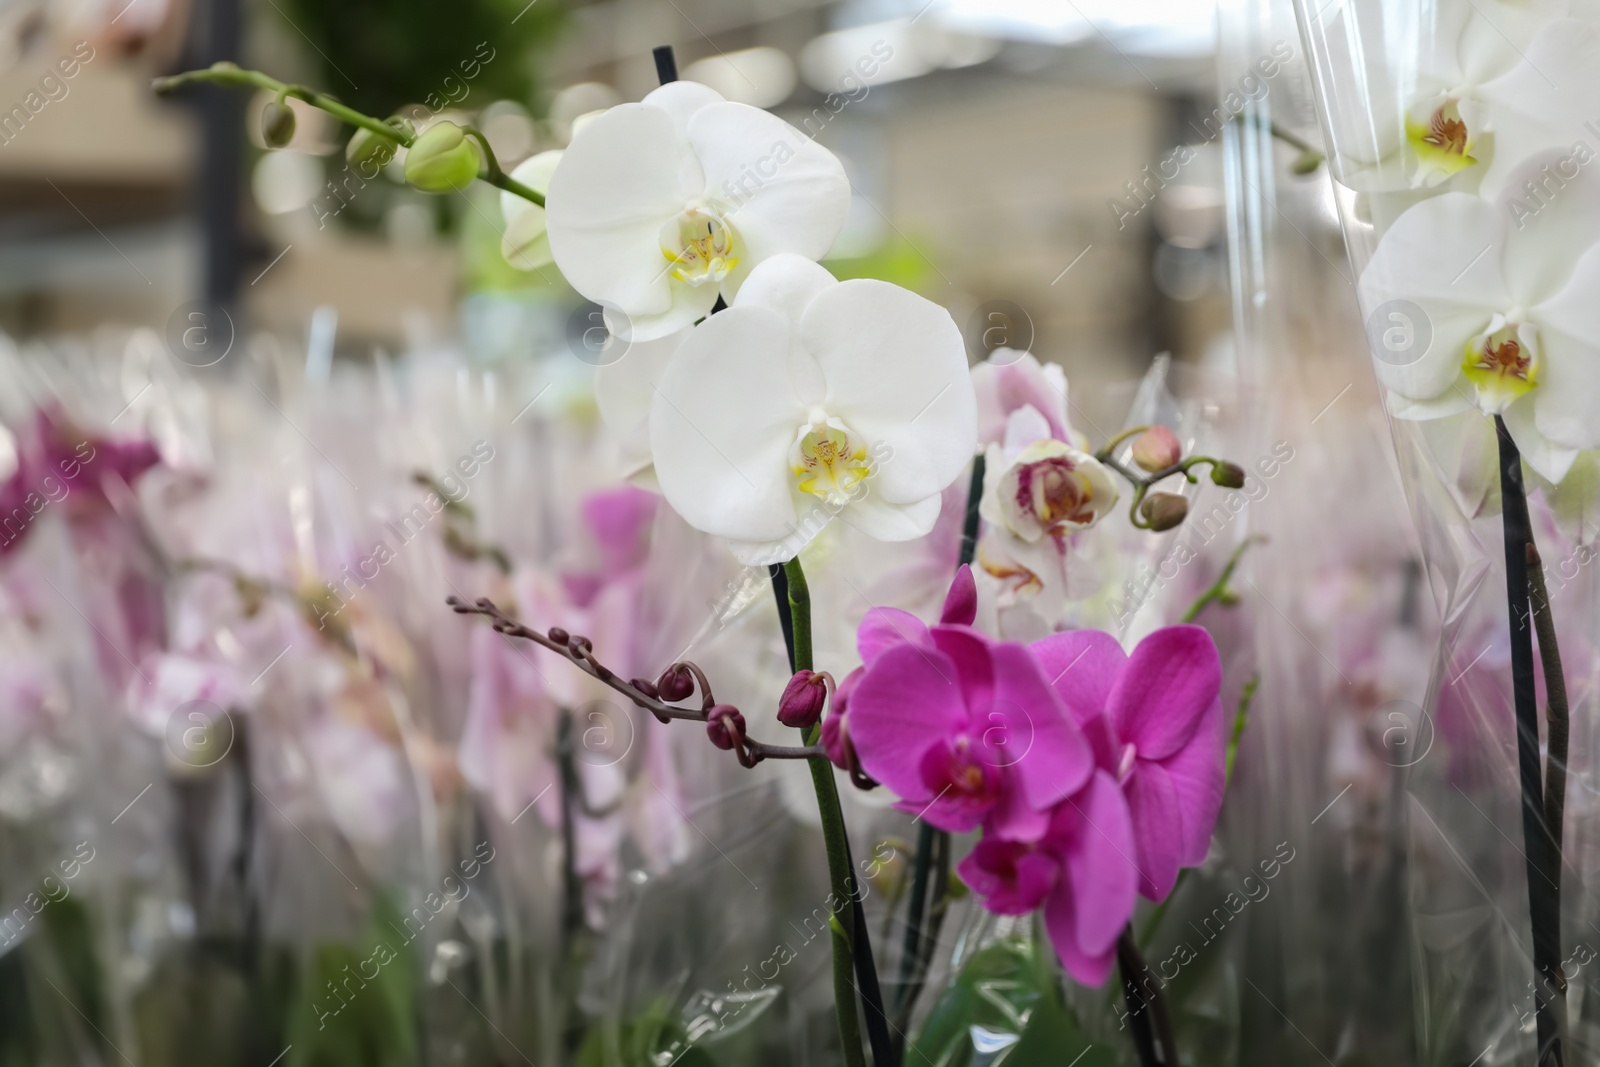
x=1163, y=511
x=1157, y=449
x=676, y=683
x=725, y=726
x=1228, y=475
x=645, y=686
x=1305, y=163
x=277, y=124
x=367, y=147
x=803, y=698
x=442, y=159
x=559, y=636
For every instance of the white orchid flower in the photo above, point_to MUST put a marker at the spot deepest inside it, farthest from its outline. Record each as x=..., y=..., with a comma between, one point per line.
x=660, y=206
x=1498, y=310
x=525, y=244
x=624, y=390
x=1494, y=83
x=811, y=399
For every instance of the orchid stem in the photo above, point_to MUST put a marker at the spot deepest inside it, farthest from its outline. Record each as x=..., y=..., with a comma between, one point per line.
x=1556, y=730
x=1543, y=895
x=1218, y=591
x=837, y=844
x=228, y=74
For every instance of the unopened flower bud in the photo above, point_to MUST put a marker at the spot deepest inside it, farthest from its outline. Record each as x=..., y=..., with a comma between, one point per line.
x=1157, y=449
x=367, y=147
x=1228, y=475
x=442, y=159
x=645, y=686
x=803, y=698
x=725, y=726
x=836, y=739
x=1163, y=511
x=676, y=683
x=277, y=124
x=559, y=636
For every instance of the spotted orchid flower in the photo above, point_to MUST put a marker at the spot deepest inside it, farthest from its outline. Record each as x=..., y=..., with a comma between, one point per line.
x=812, y=399
x=659, y=207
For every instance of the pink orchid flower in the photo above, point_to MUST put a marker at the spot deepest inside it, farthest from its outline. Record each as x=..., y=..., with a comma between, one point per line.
x=1154, y=719
x=1081, y=871
x=964, y=729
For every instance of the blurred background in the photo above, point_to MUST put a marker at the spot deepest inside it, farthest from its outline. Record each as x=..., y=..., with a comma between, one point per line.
x=989, y=156
x=1091, y=181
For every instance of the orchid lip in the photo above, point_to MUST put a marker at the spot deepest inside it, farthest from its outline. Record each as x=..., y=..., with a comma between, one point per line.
x=829, y=460
x=700, y=245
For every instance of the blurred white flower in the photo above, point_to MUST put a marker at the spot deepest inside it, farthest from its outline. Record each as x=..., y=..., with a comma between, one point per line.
x=811, y=398
x=525, y=244
x=1509, y=309
x=660, y=206
x=623, y=390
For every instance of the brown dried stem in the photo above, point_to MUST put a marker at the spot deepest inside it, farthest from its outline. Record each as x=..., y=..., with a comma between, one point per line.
x=579, y=651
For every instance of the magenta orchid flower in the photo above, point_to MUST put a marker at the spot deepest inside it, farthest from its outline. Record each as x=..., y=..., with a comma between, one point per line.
x=1081, y=871
x=1154, y=719
x=965, y=730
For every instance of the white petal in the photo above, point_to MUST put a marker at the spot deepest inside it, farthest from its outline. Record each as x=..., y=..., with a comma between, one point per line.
x=534, y=172
x=721, y=424
x=624, y=389
x=1443, y=255
x=526, y=243
x=883, y=521
x=897, y=375
x=1550, y=460
x=1566, y=401
x=617, y=185
x=1452, y=401
x=781, y=191
x=787, y=284
x=1544, y=239
x=690, y=304
x=1544, y=101
x=682, y=100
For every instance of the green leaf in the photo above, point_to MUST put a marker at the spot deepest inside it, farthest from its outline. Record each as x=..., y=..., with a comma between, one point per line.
x=1005, y=1008
x=652, y=1038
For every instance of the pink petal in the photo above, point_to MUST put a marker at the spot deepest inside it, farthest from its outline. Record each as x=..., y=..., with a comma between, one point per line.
x=1082, y=666
x=1160, y=696
x=1099, y=860
x=1013, y=817
x=969, y=650
x=1012, y=878
x=1198, y=772
x=905, y=703
x=1046, y=751
x=1059, y=920
x=1157, y=828
x=884, y=628
x=961, y=603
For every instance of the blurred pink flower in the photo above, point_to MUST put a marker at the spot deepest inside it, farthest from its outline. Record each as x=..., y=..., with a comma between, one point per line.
x=1155, y=722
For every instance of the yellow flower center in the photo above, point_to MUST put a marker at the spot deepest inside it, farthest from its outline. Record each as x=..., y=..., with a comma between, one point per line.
x=1502, y=365
x=1441, y=140
x=700, y=246
x=829, y=461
